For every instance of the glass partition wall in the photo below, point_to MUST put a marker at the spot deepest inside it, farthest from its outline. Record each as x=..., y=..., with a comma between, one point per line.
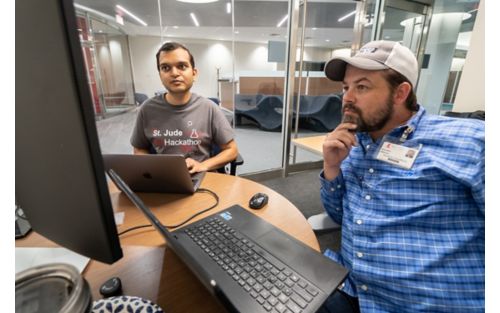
x=317, y=100
x=437, y=31
x=107, y=61
x=260, y=39
x=262, y=61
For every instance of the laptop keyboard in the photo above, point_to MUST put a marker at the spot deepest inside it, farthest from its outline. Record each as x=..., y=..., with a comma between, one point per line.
x=272, y=284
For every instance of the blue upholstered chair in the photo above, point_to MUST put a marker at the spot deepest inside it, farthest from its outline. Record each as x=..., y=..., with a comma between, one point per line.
x=140, y=98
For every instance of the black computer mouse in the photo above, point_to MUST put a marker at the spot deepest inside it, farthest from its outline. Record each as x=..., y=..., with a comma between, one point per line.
x=258, y=201
x=112, y=287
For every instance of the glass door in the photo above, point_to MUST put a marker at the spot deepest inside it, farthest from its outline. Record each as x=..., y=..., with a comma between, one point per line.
x=90, y=64
x=395, y=20
x=255, y=91
x=317, y=100
x=111, y=52
x=108, y=65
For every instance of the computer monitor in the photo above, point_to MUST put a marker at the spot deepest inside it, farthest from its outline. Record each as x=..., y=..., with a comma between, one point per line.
x=60, y=179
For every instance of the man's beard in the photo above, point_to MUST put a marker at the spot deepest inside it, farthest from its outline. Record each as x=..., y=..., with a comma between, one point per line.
x=369, y=124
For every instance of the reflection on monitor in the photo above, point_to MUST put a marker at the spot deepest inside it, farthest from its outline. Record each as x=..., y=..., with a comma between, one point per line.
x=60, y=182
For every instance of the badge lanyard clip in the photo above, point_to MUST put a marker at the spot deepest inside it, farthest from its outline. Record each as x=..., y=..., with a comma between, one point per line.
x=406, y=133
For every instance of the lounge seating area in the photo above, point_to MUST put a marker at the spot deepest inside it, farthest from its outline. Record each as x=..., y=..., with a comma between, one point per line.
x=317, y=113
x=320, y=113
x=267, y=113
x=140, y=98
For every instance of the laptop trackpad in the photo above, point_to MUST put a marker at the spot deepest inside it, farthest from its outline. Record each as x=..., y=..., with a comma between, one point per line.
x=301, y=258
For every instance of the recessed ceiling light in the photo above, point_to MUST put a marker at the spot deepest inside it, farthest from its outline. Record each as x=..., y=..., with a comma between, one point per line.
x=175, y=27
x=346, y=16
x=282, y=21
x=314, y=28
x=236, y=32
x=195, y=21
x=131, y=15
x=119, y=19
x=327, y=40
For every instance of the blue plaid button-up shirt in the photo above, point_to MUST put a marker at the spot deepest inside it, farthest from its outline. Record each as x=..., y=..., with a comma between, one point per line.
x=414, y=239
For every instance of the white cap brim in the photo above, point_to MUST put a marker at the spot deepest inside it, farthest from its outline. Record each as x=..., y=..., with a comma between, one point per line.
x=335, y=68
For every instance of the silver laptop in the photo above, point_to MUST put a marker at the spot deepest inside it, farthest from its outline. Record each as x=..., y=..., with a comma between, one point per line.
x=161, y=173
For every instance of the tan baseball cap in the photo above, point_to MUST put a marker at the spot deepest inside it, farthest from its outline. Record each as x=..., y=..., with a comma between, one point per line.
x=377, y=55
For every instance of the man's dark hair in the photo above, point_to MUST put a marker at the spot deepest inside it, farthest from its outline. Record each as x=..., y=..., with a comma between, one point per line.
x=395, y=79
x=171, y=46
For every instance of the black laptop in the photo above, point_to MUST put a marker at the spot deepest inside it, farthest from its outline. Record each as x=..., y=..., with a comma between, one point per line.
x=248, y=264
x=162, y=173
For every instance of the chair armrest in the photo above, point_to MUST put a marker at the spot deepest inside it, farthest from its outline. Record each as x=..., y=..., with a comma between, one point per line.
x=238, y=161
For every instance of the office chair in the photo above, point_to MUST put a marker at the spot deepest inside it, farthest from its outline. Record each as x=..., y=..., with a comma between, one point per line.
x=322, y=223
x=229, y=168
x=140, y=98
x=480, y=115
x=214, y=100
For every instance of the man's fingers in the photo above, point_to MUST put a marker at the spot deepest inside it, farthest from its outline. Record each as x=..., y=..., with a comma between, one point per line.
x=336, y=144
x=347, y=126
x=189, y=163
x=193, y=166
x=347, y=138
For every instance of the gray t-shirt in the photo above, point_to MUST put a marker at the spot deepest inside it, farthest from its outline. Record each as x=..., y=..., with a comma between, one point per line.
x=190, y=129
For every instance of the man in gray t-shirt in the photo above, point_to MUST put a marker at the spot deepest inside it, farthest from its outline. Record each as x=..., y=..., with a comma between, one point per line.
x=180, y=122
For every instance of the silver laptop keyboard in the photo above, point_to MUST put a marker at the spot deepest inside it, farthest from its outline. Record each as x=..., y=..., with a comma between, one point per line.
x=271, y=283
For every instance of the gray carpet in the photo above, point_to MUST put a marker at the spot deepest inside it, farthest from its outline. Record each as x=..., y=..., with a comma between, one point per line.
x=302, y=189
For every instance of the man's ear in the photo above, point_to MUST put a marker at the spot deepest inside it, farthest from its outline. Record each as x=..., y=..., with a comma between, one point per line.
x=195, y=74
x=402, y=92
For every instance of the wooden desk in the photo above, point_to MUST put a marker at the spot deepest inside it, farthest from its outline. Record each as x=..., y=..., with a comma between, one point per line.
x=313, y=144
x=151, y=270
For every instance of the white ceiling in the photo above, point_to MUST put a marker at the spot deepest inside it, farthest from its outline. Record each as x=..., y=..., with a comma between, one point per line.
x=255, y=20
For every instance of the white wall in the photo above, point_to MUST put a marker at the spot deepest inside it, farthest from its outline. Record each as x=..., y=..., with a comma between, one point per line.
x=470, y=93
x=112, y=57
x=208, y=55
x=142, y=53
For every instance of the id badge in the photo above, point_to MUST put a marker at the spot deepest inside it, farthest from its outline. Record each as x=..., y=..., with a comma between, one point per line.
x=391, y=151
